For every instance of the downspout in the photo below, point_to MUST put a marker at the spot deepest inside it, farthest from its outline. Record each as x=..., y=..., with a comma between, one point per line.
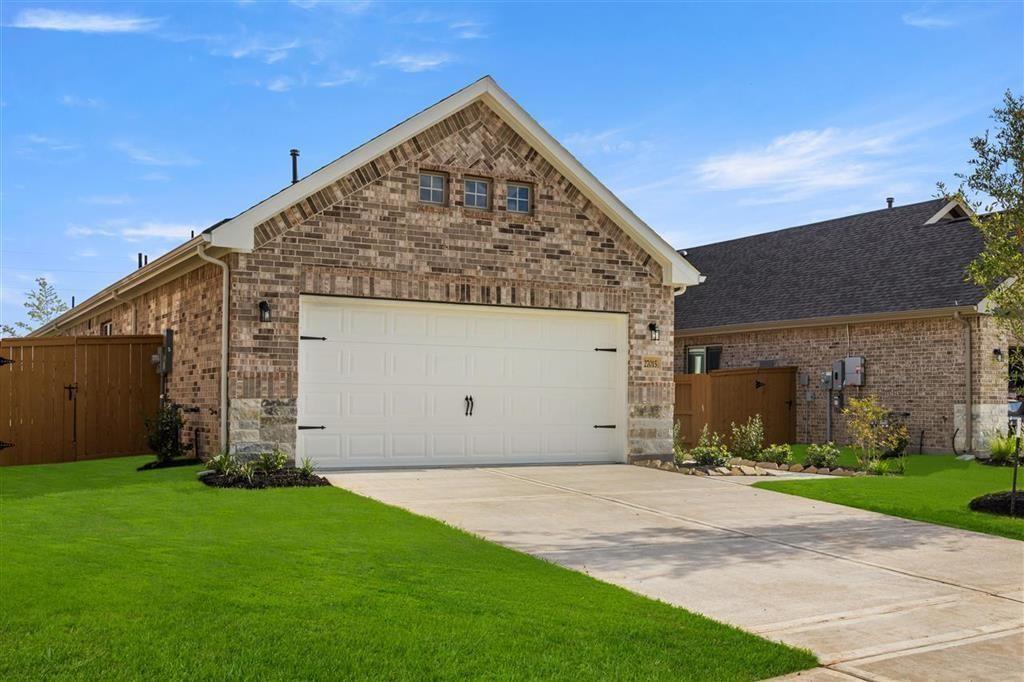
x=968, y=388
x=201, y=252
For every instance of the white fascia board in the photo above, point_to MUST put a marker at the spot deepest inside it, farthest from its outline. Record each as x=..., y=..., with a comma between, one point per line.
x=238, y=233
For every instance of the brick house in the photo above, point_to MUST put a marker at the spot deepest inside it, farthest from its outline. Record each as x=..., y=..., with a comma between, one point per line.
x=887, y=286
x=457, y=290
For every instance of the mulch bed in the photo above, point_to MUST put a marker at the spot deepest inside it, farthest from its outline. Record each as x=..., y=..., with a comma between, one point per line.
x=170, y=464
x=289, y=477
x=999, y=503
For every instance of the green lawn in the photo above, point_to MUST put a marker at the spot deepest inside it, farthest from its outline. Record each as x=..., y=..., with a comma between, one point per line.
x=935, y=488
x=109, y=573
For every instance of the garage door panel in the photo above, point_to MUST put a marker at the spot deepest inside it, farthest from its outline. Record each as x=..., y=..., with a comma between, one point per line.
x=390, y=382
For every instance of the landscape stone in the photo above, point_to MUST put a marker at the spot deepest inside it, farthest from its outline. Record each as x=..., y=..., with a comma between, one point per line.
x=796, y=467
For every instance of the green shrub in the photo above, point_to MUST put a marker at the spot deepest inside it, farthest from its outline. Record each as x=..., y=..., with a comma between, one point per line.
x=678, y=450
x=780, y=454
x=272, y=461
x=825, y=455
x=223, y=464
x=1002, y=448
x=879, y=467
x=307, y=467
x=897, y=465
x=710, y=450
x=247, y=470
x=163, y=433
x=748, y=439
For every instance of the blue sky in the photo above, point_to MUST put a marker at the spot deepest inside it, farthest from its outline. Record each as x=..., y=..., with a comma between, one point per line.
x=123, y=126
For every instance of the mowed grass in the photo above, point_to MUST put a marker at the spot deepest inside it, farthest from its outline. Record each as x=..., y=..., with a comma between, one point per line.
x=109, y=573
x=935, y=488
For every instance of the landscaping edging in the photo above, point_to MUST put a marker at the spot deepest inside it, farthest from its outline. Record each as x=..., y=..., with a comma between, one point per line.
x=743, y=467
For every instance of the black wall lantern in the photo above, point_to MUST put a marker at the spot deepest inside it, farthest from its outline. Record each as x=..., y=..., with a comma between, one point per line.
x=655, y=332
x=264, y=311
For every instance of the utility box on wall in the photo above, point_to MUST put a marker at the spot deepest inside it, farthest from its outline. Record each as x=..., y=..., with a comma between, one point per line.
x=853, y=371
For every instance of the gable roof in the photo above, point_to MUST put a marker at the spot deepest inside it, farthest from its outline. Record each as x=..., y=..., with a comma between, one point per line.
x=238, y=232
x=885, y=262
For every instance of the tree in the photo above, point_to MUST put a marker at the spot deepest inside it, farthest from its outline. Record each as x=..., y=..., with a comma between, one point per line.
x=998, y=175
x=43, y=304
x=997, y=181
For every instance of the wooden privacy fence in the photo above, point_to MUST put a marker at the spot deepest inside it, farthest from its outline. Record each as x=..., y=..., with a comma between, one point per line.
x=733, y=395
x=70, y=398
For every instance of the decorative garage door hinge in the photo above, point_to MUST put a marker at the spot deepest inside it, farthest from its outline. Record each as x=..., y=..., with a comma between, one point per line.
x=607, y=350
x=4, y=444
x=307, y=428
x=312, y=338
x=604, y=426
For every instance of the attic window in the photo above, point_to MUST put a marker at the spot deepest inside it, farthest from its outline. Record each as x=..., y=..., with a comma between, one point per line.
x=107, y=328
x=432, y=188
x=518, y=198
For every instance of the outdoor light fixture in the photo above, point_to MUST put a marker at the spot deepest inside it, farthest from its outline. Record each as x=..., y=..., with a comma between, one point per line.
x=997, y=353
x=655, y=332
x=264, y=311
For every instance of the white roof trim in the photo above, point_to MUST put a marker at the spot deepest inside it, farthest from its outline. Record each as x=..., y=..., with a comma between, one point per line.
x=945, y=210
x=238, y=233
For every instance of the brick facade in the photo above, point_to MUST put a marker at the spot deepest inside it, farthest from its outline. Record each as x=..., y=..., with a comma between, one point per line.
x=369, y=235
x=912, y=365
x=190, y=305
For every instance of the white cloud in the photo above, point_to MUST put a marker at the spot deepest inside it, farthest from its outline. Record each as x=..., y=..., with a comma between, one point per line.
x=157, y=230
x=802, y=163
x=49, y=143
x=414, y=63
x=606, y=141
x=154, y=158
x=349, y=7
x=468, y=29
x=80, y=102
x=343, y=77
x=87, y=253
x=922, y=18
x=280, y=84
x=258, y=48
x=100, y=200
x=66, y=20
x=78, y=231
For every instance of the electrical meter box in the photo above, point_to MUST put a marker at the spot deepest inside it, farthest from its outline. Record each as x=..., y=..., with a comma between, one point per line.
x=826, y=380
x=838, y=374
x=854, y=371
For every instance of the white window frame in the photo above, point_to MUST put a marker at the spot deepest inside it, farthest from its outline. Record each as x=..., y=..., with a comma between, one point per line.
x=431, y=189
x=466, y=194
x=107, y=328
x=516, y=201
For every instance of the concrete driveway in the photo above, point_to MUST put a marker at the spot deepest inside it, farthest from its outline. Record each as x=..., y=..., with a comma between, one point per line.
x=873, y=596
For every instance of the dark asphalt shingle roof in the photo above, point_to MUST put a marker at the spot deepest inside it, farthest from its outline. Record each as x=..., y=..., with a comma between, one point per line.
x=878, y=262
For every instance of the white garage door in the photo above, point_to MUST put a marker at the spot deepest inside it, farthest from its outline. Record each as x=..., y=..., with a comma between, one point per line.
x=393, y=383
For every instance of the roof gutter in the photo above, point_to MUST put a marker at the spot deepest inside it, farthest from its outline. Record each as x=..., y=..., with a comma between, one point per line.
x=224, y=338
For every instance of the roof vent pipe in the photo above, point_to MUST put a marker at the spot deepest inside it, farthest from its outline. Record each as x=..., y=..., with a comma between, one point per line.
x=888, y=202
x=145, y=259
x=295, y=165
x=140, y=259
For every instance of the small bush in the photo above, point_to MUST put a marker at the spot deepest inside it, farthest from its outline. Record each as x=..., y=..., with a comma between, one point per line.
x=878, y=467
x=748, y=439
x=780, y=454
x=247, y=471
x=163, y=433
x=678, y=450
x=710, y=450
x=825, y=455
x=223, y=464
x=1002, y=448
x=272, y=461
x=897, y=465
x=307, y=467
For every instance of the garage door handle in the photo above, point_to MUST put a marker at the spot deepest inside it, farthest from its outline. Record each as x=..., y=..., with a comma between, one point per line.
x=312, y=338
x=607, y=350
x=604, y=426
x=307, y=428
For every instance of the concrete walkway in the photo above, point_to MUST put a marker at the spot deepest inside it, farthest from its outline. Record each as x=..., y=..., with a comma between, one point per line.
x=873, y=596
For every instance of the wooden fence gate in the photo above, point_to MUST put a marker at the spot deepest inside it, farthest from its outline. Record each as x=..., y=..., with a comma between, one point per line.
x=76, y=397
x=733, y=395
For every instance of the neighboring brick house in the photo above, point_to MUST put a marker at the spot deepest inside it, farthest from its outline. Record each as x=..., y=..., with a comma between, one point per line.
x=555, y=351
x=888, y=286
